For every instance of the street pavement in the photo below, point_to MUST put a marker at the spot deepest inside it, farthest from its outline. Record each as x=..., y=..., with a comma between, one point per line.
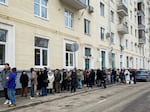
x=117, y=98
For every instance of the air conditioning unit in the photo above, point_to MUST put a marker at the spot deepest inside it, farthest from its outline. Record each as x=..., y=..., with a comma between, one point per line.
x=107, y=34
x=91, y=9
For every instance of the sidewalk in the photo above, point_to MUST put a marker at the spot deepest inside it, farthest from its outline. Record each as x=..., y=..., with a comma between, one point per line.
x=23, y=102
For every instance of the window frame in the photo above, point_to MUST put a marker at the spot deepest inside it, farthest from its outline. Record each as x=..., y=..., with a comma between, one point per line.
x=87, y=26
x=69, y=52
x=131, y=14
x=69, y=18
x=103, y=61
x=4, y=43
x=4, y=3
x=102, y=33
x=102, y=9
x=87, y=58
x=112, y=39
x=126, y=44
x=41, y=53
x=86, y=2
x=112, y=16
x=131, y=30
x=40, y=10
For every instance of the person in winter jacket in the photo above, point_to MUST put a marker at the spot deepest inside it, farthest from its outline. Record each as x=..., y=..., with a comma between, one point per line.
x=51, y=82
x=80, y=78
x=24, y=79
x=127, y=76
x=11, y=85
x=73, y=80
x=57, y=80
x=4, y=74
x=33, y=79
x=45, y=81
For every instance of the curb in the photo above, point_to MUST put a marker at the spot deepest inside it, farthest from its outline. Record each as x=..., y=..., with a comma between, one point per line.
x=51, y=100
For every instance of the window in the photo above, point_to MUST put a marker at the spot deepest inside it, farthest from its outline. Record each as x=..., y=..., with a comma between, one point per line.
x=3, y=1
x=131, y=2
x=140, y=6
x=132, y=46
x=141, y=33
x=103, y=57
x=125, y=2
x=102, y=33
x=139, y=20
x=121, y=61
x=87, y=59
x=40, y=8
x=126, y=43
x=127, y=61
x=2, y=46
x=88, y=52
x=130, y=14
x=112, y=37
x=68, y=19
x=41, y=51
x=85, y=2
x=135, y=33
x=112, y=16
x=131, y=30
x=102, y=9
x=135, y=19
x=69, y=55
x=113, y=60
x=86, y=26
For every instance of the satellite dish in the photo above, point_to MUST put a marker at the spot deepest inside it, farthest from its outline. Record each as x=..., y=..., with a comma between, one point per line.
x=75, y=47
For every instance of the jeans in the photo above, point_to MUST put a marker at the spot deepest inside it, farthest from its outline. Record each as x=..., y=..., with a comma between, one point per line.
x=32, y=90
x=79, y=83
x=44, y=91
x=6, y=94
x=11, y=95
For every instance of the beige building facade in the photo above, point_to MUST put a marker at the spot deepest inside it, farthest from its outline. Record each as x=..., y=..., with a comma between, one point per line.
x=39, y=33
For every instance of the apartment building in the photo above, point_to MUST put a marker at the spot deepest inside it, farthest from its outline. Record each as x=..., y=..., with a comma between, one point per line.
x=105, y=33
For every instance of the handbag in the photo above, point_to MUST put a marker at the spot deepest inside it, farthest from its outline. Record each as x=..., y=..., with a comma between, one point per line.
x=46, y=81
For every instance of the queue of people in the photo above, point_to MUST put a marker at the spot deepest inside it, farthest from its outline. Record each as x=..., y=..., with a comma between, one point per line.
x=43, y=81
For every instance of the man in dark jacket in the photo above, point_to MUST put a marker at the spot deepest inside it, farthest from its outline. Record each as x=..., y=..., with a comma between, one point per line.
x=4, y=74
x=24, y=79
x=64, y=80
x=73, y=80
x=57, y=80
x=104, y=77
x=92, y=74
x=44, y=81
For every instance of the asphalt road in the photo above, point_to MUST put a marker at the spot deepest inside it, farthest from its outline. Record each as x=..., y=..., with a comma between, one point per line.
x=142, y=104
x=120, y=98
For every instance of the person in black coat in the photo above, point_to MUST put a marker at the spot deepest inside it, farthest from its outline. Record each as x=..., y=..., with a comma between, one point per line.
x=73, y=80
x=98, y=77
x=39, y=81
x=134, y=76
x=104, y=78
x=64, y=80
x=45, y=81
x=113, y=76
x=24, y=79
x=92, y=74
